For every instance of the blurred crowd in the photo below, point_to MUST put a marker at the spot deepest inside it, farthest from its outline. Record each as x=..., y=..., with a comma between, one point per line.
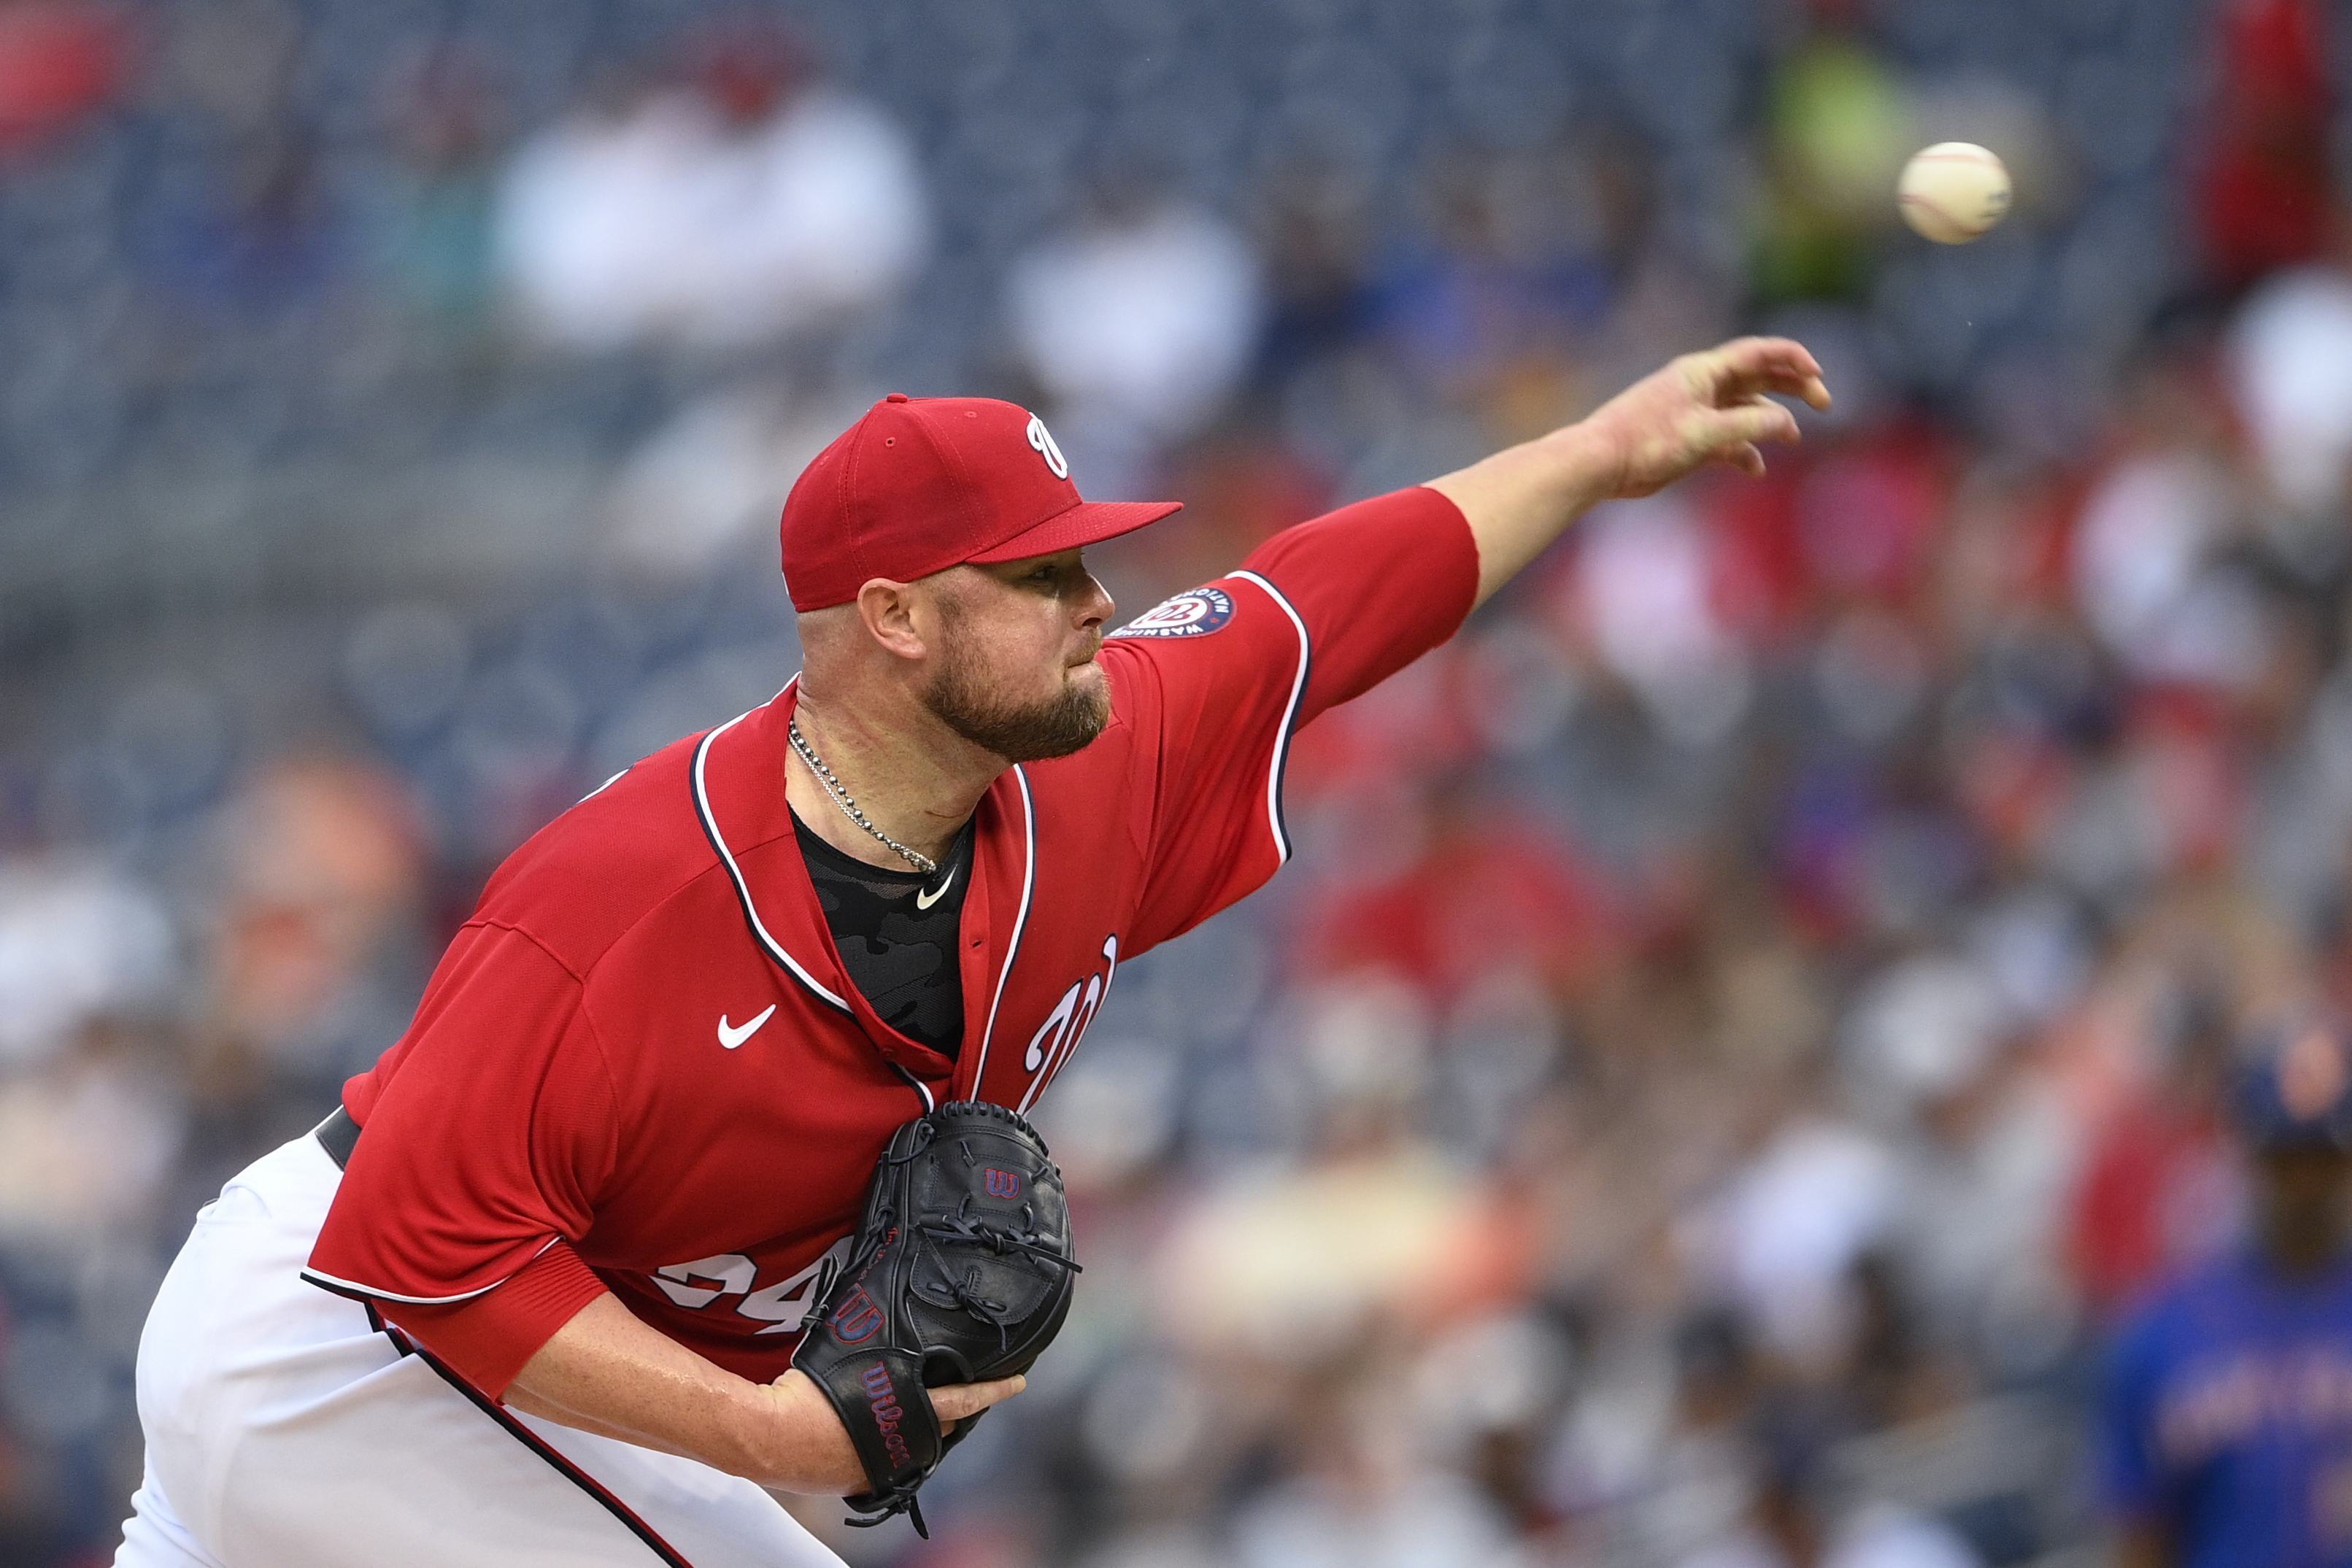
x=1746, y=1017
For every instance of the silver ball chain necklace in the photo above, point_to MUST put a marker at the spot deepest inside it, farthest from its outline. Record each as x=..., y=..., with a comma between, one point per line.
x=824, y=776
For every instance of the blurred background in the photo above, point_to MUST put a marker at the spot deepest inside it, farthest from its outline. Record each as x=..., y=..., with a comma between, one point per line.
x=1746, y=1017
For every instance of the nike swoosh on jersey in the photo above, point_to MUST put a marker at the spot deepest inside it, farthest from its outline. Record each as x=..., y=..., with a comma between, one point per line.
x=925, y=900
x=732, y=1037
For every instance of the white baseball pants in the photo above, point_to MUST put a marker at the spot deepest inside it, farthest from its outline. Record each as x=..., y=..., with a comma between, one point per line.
x=283, y=1431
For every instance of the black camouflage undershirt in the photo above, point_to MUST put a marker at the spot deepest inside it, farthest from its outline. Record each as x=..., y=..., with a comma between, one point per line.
x=900, y=952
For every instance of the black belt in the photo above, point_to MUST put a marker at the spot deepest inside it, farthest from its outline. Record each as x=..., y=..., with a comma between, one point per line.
x=339, y=1135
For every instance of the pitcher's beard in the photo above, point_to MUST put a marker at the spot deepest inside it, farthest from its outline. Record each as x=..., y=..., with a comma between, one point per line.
x=1055, y=728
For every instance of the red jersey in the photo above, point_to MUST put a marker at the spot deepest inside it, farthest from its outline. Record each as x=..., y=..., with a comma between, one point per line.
x=640, y=1067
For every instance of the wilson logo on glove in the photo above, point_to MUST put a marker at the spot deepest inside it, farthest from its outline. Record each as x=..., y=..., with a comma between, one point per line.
x=887, y=1411
x=856, y=1319
x=1004, y=1184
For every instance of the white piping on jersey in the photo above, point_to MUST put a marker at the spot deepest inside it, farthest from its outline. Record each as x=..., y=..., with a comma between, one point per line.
x=1020, y=921
x=600, y=789
x=775, y=949
x=1289, y=718
x=919, y=1087
x=321, y=1278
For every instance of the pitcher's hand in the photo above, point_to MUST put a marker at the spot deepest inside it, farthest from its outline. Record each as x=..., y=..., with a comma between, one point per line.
x=1707, y=407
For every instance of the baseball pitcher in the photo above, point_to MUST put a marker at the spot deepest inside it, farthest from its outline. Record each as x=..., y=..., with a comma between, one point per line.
x=702, y=1172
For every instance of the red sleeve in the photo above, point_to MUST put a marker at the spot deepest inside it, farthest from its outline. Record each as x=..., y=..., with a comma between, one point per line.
x=486, y=1340
x=1319, y=613
x=488, y=1132
x=1379, y=584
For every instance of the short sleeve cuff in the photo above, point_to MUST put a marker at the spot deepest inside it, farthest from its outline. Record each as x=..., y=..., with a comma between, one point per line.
x=487, y=1339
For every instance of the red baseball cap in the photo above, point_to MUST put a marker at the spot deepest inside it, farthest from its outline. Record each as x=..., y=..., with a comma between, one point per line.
x=920, y=485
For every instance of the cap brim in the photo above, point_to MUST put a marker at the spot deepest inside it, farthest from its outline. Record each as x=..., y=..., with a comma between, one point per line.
x=1087, y=523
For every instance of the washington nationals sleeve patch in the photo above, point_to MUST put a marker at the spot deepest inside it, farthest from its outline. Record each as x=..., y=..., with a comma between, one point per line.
x=1195, y=612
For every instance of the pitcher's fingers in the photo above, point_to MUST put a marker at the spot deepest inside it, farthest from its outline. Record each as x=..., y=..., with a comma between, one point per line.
x=1743, y=456
x=958, y=1400
x=1748, y=365
x=1750, y=356
x=1758, y=419
x=1788, y=379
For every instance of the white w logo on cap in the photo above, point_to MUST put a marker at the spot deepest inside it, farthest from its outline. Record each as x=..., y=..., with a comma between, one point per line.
x=1042, y=441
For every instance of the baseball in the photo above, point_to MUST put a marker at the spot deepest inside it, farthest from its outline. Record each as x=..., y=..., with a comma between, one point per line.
x=1953, y=192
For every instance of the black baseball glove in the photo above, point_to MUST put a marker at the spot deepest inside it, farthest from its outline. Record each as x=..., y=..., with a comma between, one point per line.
x=961, y=1274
